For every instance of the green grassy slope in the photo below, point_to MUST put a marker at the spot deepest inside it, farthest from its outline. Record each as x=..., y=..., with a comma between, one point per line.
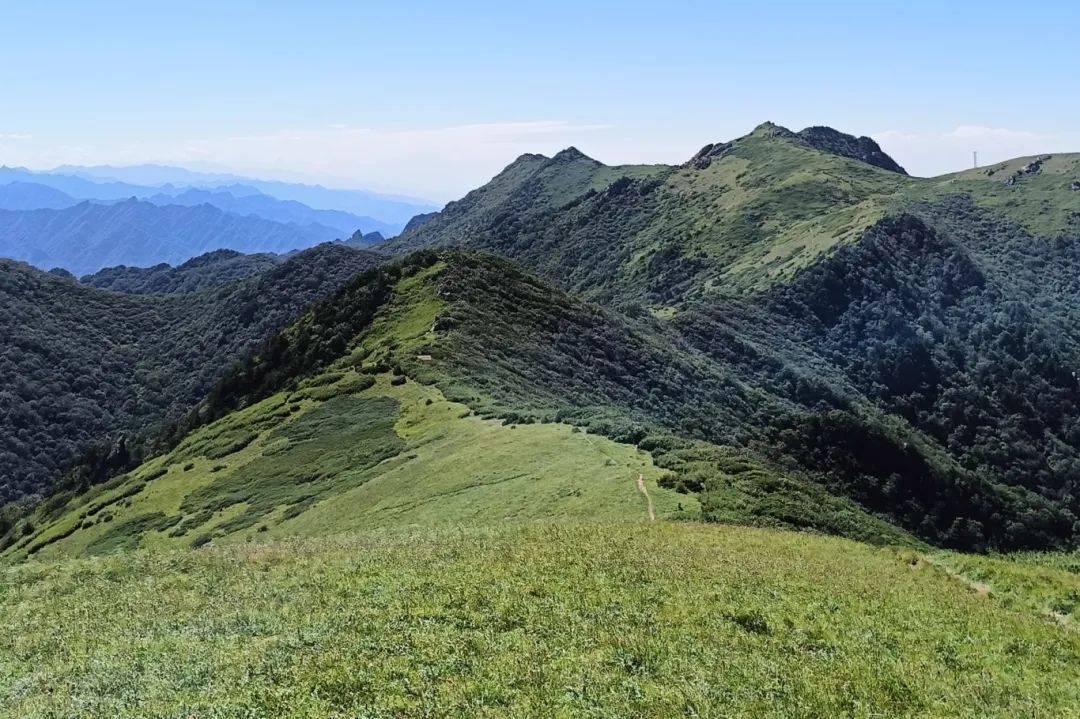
x=770, y=205
x=1040, y=193
x=600, y=620
x=334, y=457
x=1045, y=583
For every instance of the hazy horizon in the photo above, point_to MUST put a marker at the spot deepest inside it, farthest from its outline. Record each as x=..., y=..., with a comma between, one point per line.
x=327, y=94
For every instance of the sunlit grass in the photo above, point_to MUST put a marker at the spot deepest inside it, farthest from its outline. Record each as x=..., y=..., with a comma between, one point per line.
x=614, y=620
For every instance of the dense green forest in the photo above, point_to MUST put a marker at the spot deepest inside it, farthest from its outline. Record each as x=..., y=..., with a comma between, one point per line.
x=82, y=367
x=199, y=273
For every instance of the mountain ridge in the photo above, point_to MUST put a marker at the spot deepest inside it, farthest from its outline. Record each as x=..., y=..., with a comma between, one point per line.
x=206, y=271
x=747, y=425
x=736, y=218
x=283, y=211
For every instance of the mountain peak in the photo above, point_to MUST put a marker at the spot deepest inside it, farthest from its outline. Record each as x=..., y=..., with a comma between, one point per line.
x=571, y=154
x=863, y=148
x=529, y=157
x=771, y=129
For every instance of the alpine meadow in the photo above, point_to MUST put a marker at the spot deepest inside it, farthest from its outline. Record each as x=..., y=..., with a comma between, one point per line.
x=778, y=429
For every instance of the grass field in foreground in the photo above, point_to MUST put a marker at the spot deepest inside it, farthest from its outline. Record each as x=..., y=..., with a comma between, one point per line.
x=596, y=620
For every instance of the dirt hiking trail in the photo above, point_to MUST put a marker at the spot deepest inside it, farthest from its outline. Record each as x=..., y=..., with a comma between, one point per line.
x=648, y=500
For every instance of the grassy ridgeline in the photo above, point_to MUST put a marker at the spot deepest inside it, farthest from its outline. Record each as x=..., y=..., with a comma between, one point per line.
x=619, y=619
x=388, y=455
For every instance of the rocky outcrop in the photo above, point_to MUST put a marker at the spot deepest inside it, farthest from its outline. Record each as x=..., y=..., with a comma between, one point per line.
x=1032, y=168
x=705, y=156
x=863, y=149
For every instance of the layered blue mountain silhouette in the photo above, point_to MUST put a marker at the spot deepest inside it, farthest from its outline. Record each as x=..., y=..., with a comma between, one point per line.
x=84, y=219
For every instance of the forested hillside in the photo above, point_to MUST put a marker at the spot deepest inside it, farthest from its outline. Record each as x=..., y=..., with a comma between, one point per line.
x=199, y=273
x=81, y=365
x=881, y=304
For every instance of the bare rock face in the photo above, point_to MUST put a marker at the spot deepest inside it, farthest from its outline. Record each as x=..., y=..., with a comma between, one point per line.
x=1032, y=168
x=863, y=149
x=705, y=156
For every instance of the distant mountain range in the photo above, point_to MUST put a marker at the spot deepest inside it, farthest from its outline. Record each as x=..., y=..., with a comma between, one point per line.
x=88, y=236
x=343, y=210
x=67, y=224
x=236, y=199
x=33, y=196
x=254, y=216
x=270, y=208
x=391, y=209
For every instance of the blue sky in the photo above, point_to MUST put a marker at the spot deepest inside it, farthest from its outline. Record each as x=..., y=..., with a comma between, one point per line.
x=433, y=98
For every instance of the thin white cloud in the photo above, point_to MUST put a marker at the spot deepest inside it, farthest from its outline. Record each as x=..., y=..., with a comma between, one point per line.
x=443, y=163
x=439, y=163
x=936, y=153
x=16, y=136
x=994, y=134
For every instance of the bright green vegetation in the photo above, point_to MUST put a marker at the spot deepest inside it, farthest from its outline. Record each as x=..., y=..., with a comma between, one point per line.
x=383, y=456
x=604, y=620
x=1045, y=583
x=1045, y=201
